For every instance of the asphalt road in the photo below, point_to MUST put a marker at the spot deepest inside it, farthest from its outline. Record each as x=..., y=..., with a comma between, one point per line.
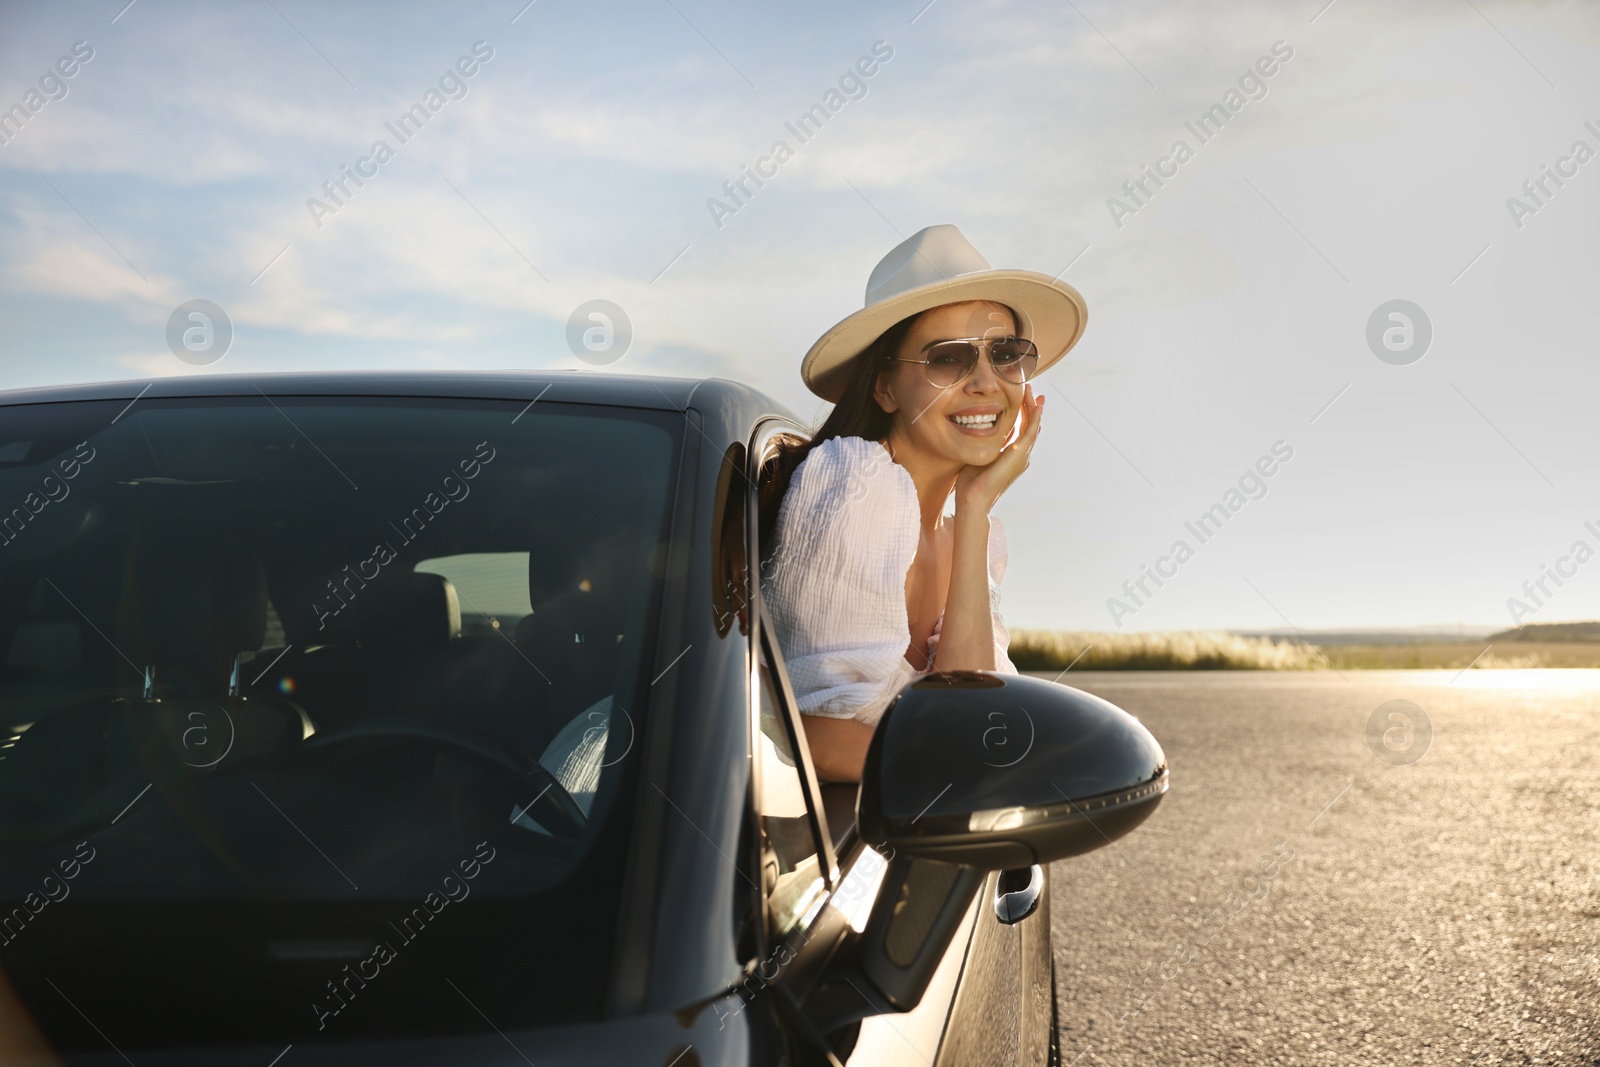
x=1322, y=886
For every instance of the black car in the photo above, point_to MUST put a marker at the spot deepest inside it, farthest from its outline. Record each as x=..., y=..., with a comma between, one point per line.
x=419, y=719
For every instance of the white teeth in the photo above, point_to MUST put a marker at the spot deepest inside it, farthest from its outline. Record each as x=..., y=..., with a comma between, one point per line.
x=981, y=422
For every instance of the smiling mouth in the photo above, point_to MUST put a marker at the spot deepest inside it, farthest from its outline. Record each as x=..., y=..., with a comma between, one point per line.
x=974, y=422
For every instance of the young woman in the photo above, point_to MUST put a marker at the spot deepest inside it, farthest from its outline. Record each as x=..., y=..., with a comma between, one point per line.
x=870, y=584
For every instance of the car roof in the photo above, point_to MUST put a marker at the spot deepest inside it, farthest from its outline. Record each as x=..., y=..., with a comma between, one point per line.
x=557, y=386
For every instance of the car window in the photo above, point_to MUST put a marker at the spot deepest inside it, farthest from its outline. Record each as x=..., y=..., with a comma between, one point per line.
x=492, y=586
x=793, y=874
x=301, y=688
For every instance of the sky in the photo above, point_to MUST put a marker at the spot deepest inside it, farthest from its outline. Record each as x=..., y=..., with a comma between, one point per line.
x=1237, y=309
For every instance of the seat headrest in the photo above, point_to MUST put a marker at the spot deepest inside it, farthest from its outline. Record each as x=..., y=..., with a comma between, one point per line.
x=408, y=610
x=577, y=618
x=585, y=605
x=192, y=606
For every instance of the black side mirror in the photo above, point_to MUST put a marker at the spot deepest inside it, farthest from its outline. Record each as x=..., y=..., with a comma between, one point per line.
x=974, y=771
x=999, y=771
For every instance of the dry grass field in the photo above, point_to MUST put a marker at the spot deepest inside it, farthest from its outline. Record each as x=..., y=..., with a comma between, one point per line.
x=1055, y=650
x=1453, y=655
x=1188, y=650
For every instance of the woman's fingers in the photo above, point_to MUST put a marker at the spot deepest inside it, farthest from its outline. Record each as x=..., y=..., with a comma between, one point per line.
x=1021, y=425
x=1033, y=406
x=998, y=476
x=1027, y=416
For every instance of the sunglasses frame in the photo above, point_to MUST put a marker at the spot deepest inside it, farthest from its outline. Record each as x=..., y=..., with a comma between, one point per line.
x=984, y=345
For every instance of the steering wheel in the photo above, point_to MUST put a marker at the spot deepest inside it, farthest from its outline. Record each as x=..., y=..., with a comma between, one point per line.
x=553, y=805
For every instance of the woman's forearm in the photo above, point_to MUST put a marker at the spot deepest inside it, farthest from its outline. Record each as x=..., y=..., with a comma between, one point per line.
x=966, y=637
x=838, y=747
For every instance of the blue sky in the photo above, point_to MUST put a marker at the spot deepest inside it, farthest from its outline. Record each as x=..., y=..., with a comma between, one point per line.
x=1225, y=313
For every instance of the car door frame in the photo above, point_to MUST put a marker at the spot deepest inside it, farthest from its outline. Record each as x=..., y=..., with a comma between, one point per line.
x=913, y=1037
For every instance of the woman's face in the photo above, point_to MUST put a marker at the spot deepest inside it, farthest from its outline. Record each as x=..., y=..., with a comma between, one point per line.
x=949, y=422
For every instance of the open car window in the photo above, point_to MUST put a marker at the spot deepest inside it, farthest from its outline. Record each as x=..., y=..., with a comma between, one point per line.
x=836, y=800
x=319, y=701
x=792, y=862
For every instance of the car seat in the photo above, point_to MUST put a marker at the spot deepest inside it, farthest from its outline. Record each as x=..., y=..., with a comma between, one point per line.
x=184, y=615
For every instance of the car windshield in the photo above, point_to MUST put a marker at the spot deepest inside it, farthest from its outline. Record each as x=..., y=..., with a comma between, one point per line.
x=319, y=713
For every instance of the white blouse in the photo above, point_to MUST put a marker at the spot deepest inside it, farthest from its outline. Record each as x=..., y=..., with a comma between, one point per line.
x=835, y=586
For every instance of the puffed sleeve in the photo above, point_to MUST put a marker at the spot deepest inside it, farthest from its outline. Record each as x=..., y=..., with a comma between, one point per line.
x=997, y=573
x=835, y=585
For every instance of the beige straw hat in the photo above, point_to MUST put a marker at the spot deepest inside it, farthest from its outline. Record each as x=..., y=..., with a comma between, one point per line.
x=934, y=266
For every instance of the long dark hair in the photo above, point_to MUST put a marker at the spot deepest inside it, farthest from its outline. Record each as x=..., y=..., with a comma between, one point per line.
x=856, y=414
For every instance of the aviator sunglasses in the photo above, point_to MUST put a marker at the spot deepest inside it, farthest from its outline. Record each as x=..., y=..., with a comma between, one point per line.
x=948, y=362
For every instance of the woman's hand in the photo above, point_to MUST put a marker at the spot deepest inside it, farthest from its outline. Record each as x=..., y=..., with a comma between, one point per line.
x=980, y=487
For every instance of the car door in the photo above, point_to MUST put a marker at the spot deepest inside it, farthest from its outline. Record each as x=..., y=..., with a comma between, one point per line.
x=991, y=1001
x=1003, y=1008
x=804, y=919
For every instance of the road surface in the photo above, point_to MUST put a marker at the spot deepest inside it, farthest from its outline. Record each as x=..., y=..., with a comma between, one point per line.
x=1338, y=879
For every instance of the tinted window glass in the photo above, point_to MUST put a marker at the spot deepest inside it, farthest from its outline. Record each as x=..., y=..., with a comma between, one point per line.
x=491, y=586
x=310, y=704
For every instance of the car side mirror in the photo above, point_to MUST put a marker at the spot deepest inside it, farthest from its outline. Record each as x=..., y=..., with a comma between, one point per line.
x=970, y=772
x=999, y=771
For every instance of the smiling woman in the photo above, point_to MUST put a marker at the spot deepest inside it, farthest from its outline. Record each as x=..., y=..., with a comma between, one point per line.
x=871, y=585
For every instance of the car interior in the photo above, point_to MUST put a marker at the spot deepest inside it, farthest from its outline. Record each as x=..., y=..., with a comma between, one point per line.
x=207, y=599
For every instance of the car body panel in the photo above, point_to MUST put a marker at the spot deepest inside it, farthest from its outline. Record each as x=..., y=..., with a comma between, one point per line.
x=916, y=1037
x=1002, y=1011
x=640, y=391
x=706, y=1036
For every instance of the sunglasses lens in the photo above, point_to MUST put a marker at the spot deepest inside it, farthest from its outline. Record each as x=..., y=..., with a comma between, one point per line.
x=1015, y=359
x=950, y=361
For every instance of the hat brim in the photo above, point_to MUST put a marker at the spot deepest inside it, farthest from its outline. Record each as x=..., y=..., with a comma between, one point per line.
x=1050, y=312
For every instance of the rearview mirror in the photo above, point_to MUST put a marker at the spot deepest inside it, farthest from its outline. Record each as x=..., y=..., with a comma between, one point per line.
x=1000, y=771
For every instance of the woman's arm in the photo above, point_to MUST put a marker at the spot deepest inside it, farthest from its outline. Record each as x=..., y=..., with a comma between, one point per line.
x=838, y=747
x=966, y=636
